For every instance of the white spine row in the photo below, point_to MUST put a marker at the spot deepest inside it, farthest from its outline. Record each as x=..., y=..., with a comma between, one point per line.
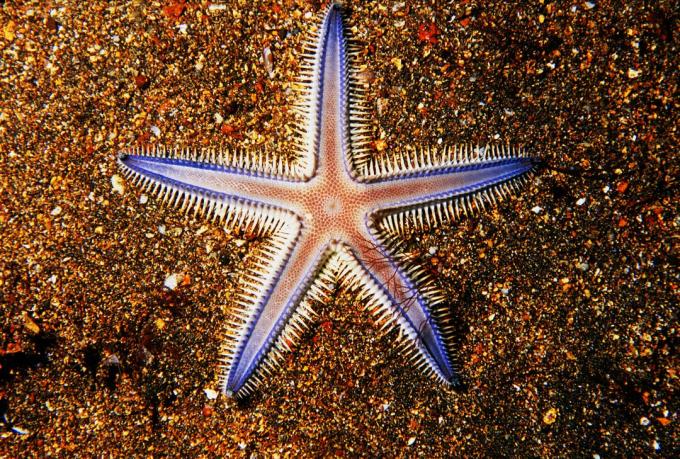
x=361, y=116
x=430, y=160
x=308, y=107
x=243, y=160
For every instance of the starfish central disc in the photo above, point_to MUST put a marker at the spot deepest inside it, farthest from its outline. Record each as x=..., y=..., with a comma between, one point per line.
x=332, y=206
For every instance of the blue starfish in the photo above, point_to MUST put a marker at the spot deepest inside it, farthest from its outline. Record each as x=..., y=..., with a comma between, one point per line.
x=326, y=212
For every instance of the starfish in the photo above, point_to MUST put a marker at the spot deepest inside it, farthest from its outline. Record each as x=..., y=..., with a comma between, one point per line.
x=334, y=212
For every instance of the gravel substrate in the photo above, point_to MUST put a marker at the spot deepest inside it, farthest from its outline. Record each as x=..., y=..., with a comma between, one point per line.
x=566, y=296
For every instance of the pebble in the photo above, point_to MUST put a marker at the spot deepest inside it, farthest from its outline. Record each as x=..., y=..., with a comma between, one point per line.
x=9, y=31
x=56, y=211
x=550, y=416
x=210, y=393
x=268, y=60
x=118, y=184
x=172, y=281
x=30, y=324
x=581, y=201
x=141, y=81
x=217, y=7
x=111, y=361
x=537, y=209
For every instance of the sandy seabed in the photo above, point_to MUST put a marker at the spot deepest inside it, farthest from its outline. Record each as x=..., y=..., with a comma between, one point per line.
x=566, y=296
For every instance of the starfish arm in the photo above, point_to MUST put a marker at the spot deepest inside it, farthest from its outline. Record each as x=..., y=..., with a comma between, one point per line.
x=209, y=171
x=399, y=304
x=280, y=321
x=322, y=88
x=492, y=171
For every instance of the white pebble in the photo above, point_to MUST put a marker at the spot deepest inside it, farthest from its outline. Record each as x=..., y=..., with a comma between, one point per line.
x=411, y=441
x=155, y=130
x=117, y=184
x=56, y=211
x=143, y=199
x=211, y=394
x=268, y=60
x=537, y=209
x=581, y=201
x=171, y=281
x=632, y=73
